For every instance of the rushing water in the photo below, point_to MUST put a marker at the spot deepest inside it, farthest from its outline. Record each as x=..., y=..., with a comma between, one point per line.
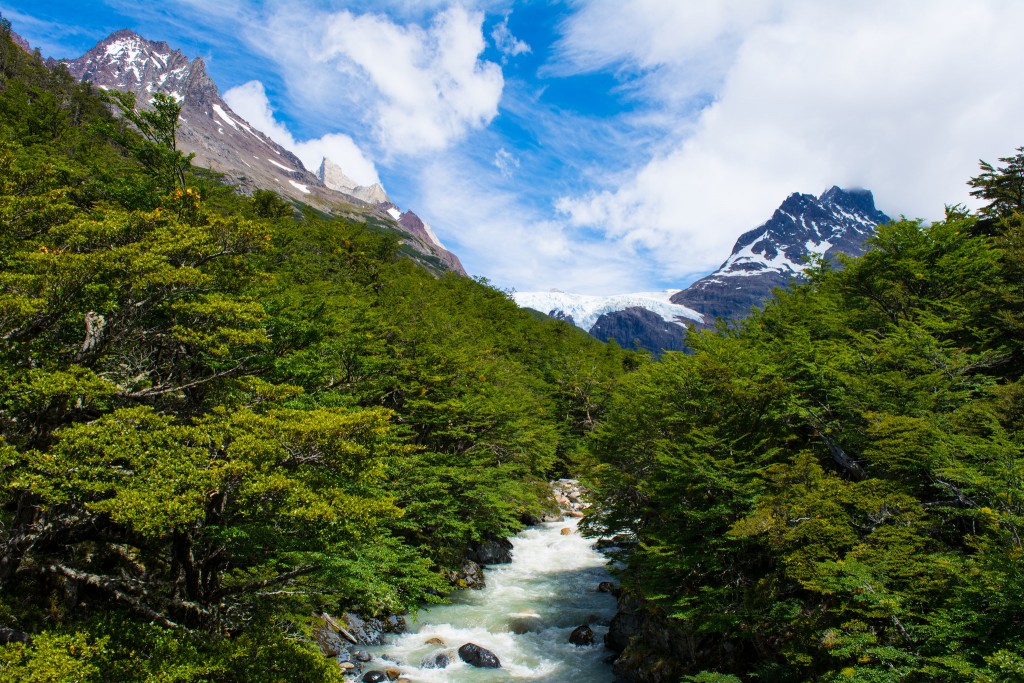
x=524, y=616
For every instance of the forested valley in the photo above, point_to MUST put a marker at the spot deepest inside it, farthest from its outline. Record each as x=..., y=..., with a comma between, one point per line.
x=221, y=414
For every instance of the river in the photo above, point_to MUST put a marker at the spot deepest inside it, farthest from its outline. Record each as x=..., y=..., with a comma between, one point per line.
x=524, y=616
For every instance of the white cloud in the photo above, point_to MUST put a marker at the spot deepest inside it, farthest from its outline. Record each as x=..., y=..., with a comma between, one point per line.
x=418, y=88
x=506, y=162
x=508, y=44
x=251, y=103
x=899, y=97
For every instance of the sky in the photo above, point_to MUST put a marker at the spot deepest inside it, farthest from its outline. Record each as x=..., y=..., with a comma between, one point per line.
x=602, y=146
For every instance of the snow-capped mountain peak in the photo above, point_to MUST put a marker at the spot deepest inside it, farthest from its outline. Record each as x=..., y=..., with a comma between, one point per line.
x=836, y=222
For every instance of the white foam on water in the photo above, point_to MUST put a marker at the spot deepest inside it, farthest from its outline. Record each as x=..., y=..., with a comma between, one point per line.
x=524, y=616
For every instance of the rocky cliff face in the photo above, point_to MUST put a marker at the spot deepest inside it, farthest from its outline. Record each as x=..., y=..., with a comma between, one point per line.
x=225, y=142
x=776, y=252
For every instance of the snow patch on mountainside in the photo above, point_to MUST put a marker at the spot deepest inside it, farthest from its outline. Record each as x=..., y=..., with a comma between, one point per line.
x=585, y=309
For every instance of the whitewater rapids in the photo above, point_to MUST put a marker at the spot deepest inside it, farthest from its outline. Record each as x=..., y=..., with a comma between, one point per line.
x=524, y=616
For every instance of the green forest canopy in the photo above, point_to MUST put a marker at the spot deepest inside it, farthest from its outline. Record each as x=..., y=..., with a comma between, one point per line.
x=833, y=490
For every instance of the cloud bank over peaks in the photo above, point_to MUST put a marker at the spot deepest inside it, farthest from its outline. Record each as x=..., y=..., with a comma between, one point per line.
x=250, y=101
x=896, y=96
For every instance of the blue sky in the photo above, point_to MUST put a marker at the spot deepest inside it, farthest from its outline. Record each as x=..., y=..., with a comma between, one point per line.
x=604, y=146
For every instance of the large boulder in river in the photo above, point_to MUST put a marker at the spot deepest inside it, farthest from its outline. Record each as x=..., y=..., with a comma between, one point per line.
x=582, y=635
x=490, y=549
x=375, y=677
x=474, y=655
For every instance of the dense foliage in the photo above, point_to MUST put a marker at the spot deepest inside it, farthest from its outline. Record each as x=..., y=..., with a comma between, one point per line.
x=219, y=413
x=834, y=489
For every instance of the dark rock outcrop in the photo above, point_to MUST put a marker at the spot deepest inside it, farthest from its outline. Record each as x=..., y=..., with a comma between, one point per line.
x=474, y=655
x=637, y=327
x=490, y=549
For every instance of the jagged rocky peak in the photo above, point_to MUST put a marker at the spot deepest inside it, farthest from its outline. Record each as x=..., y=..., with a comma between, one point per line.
x=127, y=61
x=836, y=222
x=332, y=175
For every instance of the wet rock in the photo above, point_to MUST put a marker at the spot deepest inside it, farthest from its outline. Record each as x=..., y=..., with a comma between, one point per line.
x=438, y=660
x=363, y=656
x=474, y=655
x=609, y=587
x=530, y=520
x=372, y=631
x=375, y=677
x=525, y=623
x=566, y=531
x=582, y=635
x=329, y=642
x=620, y=541
x=435, y=641
x=574, y=513
x=551, y=517
x=627, y=622
x=470, y=576
x=392, y=673
x=490, y=549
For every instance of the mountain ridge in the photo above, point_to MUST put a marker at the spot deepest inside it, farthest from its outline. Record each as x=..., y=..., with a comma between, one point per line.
x=226, y=143
x=774, y=254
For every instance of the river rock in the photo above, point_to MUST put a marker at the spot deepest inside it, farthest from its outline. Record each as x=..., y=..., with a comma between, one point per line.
x=626, y=623
x=435, y=641
x=474, y=655
x=438, y=660
x=490, y=549
x=372, y=631
x=566, y=531
x=392, y=673
x=582, y=635
x=530, y=520
x=375, y=677
x=552, y=517
x=328, y=641
x=609, y=587
x=363, y=656
x=470, y=576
